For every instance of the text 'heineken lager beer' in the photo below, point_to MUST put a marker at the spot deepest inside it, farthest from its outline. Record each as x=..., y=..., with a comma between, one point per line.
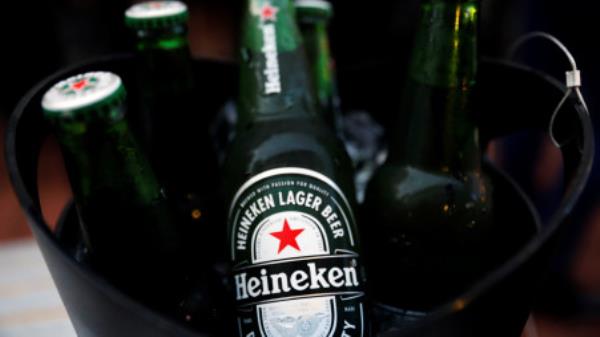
x=429, y=207
x=313, y=19
x=125, y=220
x=293, y=241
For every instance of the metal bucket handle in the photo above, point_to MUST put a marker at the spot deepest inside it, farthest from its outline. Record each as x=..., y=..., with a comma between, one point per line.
x=511, y=111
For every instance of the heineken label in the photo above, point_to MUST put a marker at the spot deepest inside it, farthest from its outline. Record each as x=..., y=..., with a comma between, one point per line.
x=296, y=267
x=271, y=72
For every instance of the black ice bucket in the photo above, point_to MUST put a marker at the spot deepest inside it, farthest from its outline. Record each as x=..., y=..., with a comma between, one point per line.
x=514, y=99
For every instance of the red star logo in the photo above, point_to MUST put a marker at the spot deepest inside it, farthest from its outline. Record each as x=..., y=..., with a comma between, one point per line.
x=79, y=84
x=268, y=12
x=155, y=4
x=287, y=237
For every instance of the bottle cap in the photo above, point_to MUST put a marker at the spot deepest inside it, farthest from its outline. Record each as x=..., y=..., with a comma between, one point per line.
x=83, y=92
x=156, y=14
x=319, y=9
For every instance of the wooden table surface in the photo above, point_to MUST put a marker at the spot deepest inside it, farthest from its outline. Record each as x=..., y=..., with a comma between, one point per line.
x=29, y=303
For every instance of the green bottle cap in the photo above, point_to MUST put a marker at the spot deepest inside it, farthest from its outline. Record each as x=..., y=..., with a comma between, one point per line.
x=316, y=9
x=83, y=93
x=156, y=14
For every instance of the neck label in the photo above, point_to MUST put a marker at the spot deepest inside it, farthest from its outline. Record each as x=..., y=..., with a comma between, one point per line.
x=271, y=72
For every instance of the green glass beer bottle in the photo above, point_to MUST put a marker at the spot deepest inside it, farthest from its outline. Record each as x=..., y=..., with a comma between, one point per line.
x=175, y=129
x=163, y=64
x=292, y=237
x=429, y=207
x=313, y=19
x=126, y=223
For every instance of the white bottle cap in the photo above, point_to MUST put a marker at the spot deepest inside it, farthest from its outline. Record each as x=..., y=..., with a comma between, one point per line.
x=83, y=91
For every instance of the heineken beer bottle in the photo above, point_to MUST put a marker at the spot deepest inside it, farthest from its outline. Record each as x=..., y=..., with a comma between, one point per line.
x=175, y=129
x=313, y=19
x=429, y=207
x=293, y=242
x=163, y=65
x=125, y=221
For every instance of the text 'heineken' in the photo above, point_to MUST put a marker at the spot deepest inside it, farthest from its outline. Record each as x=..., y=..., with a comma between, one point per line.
x=294, y=249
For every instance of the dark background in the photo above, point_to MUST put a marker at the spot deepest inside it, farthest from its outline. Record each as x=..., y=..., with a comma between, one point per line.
x=40, y=37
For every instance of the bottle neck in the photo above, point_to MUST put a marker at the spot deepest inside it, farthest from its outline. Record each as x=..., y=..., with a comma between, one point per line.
x=316, y=42
x=437, y=130
x=104, y=161
x=274, y=82
x=164, y=56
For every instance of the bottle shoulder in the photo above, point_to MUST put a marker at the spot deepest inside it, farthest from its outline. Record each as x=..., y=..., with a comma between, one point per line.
x=302, y=143
x=410, y=186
